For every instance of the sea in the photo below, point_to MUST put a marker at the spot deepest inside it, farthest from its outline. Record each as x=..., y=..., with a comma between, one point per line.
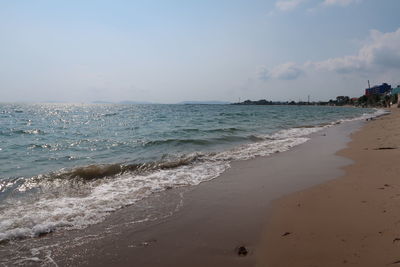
x=68, y=166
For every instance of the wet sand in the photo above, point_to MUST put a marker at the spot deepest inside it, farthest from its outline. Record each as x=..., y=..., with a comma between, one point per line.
x=350, y=221
x=210, y=220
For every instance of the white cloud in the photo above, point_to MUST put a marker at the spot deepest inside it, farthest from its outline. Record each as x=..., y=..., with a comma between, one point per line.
x=380, y=54
x=344, y=64
x=382, y=51
x=339, y=2
x=286, y=5
x=286, y=71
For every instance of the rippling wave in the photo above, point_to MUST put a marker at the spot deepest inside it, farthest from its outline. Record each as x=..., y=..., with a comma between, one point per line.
x=66, y=167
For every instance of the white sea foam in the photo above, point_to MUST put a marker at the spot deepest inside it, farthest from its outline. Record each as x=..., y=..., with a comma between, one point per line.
x=94, y=200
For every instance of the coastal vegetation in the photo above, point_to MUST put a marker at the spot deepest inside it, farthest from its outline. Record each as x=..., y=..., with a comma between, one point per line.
x=377, y=96
x=362, y=101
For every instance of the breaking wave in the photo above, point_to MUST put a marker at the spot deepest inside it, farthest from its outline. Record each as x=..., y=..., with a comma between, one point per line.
x=75, y=198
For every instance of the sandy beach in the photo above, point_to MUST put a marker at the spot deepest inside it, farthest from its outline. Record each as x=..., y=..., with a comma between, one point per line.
x=327, y=202
x=349, y=221
x=216, y=217
x=253, y=205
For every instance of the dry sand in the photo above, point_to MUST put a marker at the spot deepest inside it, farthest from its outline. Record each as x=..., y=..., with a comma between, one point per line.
x=350, y=221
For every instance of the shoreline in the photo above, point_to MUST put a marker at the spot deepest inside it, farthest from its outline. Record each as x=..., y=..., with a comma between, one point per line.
x=207, y=223
x=100, y=181
x=216, y=217
x=351, y=220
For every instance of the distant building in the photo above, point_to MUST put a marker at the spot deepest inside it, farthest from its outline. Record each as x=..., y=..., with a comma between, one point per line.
x=378, y=90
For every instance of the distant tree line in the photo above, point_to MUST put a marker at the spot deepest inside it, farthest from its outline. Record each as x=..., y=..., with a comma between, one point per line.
x=266, y=102
x=366, y=101
x=377, y=100
x=362, y=101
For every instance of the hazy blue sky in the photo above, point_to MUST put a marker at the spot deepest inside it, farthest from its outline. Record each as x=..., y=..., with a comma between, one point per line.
x=169, y=51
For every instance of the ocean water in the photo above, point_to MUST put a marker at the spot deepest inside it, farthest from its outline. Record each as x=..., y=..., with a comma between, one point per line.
x=66, y=166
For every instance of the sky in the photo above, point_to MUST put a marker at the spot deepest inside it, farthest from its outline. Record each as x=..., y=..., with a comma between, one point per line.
x=172, y=51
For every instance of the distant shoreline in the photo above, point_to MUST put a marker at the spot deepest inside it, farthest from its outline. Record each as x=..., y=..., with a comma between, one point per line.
x=264, y=102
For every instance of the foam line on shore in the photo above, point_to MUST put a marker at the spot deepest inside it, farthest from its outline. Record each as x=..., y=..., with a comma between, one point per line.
x=74, y=199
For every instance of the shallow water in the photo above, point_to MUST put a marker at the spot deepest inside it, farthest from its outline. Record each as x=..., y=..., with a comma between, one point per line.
x=66, y=166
